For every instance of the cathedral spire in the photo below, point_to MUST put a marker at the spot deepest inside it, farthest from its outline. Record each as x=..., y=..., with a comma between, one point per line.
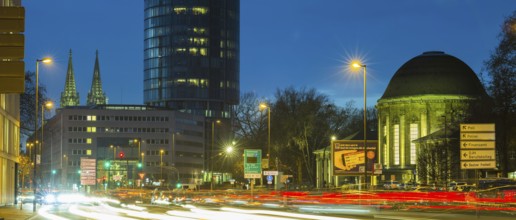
x=70, y=96
x=96, y=96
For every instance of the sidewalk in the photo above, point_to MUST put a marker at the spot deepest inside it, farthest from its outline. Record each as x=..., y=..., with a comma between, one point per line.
x=13, y=212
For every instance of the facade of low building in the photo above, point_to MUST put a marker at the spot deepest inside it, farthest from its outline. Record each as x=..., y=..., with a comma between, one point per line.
x=132, y=144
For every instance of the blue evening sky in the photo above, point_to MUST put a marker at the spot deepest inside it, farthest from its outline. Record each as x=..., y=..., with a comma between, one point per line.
x=300, y=43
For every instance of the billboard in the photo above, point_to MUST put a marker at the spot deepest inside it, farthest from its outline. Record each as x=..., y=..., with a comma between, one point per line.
x=348, y=156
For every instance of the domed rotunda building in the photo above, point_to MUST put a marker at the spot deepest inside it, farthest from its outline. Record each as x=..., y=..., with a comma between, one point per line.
x=426, y=94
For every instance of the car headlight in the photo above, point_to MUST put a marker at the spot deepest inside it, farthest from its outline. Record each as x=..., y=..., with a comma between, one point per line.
x=50, y=198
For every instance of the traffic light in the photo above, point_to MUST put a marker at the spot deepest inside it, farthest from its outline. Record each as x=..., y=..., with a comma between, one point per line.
x=178, y=185
x=139, y=165
x=107, y=164
x=121, y=155
x=54, y=171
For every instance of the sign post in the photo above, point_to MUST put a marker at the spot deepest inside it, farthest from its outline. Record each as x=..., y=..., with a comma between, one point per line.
x=252, y=166
x=88, y=172
x=477, y=146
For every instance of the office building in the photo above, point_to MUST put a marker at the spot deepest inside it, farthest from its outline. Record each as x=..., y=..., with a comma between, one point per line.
x=191, y=56
x=168, y=144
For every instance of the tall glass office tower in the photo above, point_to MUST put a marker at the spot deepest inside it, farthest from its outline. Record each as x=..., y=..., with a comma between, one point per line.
x=192, y=55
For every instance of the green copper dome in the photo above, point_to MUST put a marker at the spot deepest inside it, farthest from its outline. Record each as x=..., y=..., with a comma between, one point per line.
x=434, y=73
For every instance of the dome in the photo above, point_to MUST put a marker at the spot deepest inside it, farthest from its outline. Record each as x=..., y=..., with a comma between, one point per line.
x=434, y=73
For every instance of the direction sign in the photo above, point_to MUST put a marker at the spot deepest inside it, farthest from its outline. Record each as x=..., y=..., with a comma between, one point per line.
x=477, y=144
x=477, y=155
x=270, y=172
x=478, y=164
x=477, y=136
x=477, y=127
x=252, y=175
x=252, y=163
x=88, y=171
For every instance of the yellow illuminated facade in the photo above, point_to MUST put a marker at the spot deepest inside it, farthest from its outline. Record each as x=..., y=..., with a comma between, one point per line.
x=422, y=93
x=12, y=82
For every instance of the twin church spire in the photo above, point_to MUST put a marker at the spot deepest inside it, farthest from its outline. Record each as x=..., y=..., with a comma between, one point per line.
x=70, y=96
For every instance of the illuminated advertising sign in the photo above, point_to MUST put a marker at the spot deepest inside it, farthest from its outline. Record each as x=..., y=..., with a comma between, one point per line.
x=348, y=156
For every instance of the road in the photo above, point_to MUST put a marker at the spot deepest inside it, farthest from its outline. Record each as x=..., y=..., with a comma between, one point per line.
x=224, y=205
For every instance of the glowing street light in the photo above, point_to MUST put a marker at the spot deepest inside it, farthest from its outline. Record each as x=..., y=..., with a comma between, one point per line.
x=262, y=107
x=360, y=65
x=211, y=152
x=44, y=60
x=161, y=162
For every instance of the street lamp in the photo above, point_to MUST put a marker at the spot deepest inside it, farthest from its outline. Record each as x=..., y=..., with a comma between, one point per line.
x=44, y=60
x=325, y=161
x=211, y=152
x=161, y=162
x=64, y=171
x=359, y=65
x=138, y=140
x=30, y=145
x=114, y=152
x=47, y=105
x=262, y=107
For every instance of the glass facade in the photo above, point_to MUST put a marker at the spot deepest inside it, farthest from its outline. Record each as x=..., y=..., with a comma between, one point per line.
x=191, y=55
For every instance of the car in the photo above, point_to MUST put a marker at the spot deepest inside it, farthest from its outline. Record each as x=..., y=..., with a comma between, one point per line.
x=27, y=197
x=456, y=186
x=391, y=185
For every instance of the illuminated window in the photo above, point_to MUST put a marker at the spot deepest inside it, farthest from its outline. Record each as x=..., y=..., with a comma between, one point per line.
x=198, y=41
x=88, y=140
x=203, y=51
x=180, y=10
x=88, y=152
x=193, y=82
x=180, y=50
x=180, y=81
x=92, y=129
x=91, y=118
x=199, y=30
x=193, y=51
x=385, y=149
x=396, y=144
x=414, y=133
x=199, y=10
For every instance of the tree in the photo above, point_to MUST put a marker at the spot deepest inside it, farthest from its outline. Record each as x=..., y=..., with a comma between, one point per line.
x=25, y=166
x=501, y=68
x=301, y=121
x=27, y=103
x=304, y=121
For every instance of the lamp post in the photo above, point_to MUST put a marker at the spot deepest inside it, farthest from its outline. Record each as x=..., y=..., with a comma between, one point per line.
x=161, y=163
x=44, y=106
x=445, y=155
x=265, y=106
x=44, y=60
x=325, y=162
x=64, y=172
x=359, y=65
x=138, y=141
x=211, y=151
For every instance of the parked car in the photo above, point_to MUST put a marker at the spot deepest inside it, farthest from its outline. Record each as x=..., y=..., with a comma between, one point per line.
x=391, y=185
x=456, y=186
x=28, y=197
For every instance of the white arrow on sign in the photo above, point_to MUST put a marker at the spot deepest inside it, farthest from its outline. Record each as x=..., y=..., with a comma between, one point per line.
x=477, y=144
x=477, y=155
